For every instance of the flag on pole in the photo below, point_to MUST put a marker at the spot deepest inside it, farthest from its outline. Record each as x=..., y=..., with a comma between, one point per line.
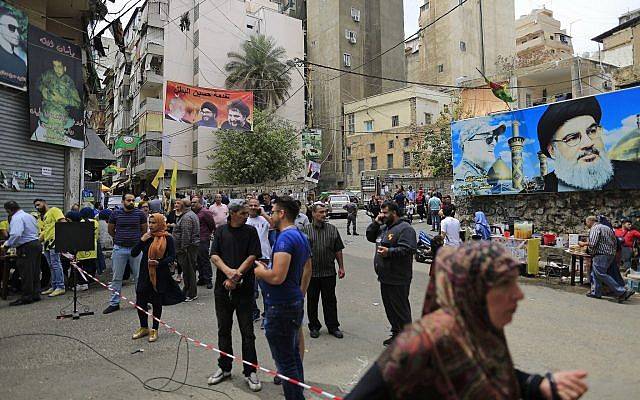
x=156, y=181
x=500, y=91
x=174, y=180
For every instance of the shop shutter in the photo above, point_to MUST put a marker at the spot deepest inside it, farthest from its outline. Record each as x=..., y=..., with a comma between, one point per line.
x=19, y=153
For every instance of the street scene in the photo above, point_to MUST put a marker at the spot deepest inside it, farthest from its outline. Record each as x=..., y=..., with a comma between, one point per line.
x=311, y=199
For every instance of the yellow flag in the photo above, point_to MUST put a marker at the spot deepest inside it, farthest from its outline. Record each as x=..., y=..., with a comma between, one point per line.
x=156, y=181
x=174, y=180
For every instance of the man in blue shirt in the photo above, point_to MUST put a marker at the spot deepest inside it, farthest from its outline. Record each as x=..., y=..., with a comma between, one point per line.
x=283, y=285
x=23, y=235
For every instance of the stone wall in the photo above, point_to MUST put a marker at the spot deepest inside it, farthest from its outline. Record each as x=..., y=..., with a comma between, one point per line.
x=555, y=212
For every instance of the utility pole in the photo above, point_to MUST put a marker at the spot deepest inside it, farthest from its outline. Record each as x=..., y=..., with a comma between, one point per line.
x=482, y=64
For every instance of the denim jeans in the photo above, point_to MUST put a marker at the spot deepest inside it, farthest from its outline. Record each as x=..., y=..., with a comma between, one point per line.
x=119, y=258
x=435, y=220
x=281, y=325
x=599, y=267
x=57, y=276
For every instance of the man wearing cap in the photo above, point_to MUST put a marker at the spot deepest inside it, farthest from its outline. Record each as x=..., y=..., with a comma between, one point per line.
x=570, y=133
x=477, y=158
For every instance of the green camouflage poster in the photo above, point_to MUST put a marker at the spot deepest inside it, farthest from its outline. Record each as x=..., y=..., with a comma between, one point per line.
x=311, y=144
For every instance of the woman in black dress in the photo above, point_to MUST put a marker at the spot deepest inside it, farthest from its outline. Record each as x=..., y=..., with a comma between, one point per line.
x=155, y=284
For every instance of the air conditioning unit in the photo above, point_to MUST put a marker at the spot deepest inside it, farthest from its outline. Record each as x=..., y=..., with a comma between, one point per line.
x=352, y=39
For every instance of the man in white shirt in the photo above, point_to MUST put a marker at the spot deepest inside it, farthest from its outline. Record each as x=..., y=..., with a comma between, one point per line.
x=450, y=229
x=220, y=211
x=262, y=222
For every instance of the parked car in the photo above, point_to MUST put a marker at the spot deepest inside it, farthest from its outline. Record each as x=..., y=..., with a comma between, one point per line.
x=336, y=203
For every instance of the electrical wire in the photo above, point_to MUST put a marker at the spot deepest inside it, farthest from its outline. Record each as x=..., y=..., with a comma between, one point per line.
x=145, y=383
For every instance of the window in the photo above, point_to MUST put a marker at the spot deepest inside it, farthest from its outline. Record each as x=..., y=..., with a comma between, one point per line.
x=368, y=125
x=196, y=65
x=528, y=100
x=372, y=147
x=406, y=159
x=395, y=120
x=196, y=38
x=360, y=165
x=355, y=14
x=374, y=163
x=346, y=59
x=390, y=144
x=406, y=142
x=348, y=151
x=350, y=36
x=194, y=150
x=351, y=123
x=428, y=118
x=349, y=167
x=425, y=6
x=551, y=37
x=463, y=46
x=440, y=68
x=445, y=108
x=564, y=39
x=389, y=161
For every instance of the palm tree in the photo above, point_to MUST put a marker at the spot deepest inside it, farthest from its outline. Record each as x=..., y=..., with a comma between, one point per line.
x=262, y=69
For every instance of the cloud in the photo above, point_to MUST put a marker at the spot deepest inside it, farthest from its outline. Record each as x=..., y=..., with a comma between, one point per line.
x=611, y=138
x=506, y=156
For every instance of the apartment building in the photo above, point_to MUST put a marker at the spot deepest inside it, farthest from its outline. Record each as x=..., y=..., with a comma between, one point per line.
x=539, y=38
x=160, y=50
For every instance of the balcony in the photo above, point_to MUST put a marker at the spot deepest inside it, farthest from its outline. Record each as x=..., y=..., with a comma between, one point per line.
x=151, y=79
x=148, y=156
x=150, y=104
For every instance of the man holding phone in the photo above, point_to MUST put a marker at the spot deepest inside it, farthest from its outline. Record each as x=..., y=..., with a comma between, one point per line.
x=262, y=222
x=235, y=248
x=395, y=243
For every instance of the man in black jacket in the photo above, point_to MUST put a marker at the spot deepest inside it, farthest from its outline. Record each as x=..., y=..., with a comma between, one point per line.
x=395, y=245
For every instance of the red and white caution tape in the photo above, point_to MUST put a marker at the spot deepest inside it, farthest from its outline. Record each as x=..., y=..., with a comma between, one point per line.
x=199, y=343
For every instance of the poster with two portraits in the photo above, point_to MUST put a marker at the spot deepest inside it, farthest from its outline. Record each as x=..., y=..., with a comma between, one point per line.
x=584, y=144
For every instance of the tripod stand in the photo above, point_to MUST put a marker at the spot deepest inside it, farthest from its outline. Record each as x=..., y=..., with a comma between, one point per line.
x=74, y=314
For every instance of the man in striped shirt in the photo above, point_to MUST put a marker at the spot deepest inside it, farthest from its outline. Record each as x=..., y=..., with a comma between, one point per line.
x=602, y=246
x=326, y=248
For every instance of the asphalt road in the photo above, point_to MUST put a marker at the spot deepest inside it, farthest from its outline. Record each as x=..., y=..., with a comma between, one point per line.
x=553, y=329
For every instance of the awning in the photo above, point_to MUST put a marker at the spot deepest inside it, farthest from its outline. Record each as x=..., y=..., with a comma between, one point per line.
x=96, y=149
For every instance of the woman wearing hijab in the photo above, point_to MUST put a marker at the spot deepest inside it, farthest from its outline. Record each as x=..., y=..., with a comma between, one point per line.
x=155, y=284
x=458, y=349
x=482, y=226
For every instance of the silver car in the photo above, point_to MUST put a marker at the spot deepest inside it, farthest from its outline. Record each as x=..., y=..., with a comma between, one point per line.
x=336, y=203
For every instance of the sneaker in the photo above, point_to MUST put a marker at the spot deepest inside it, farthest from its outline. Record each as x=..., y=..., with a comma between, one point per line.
x=111, y=309
x=47, y=292
x=356, y=234
x=190, y=299
x=82, y=288
x=209, y=285
x=337, y=334
x=218, y=377
x=253, y=382
x=140, y=333
x=153, y=335
x=314, y=333
x=57, y=292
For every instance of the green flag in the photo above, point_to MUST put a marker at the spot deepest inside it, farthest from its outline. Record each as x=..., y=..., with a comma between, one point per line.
x=500, y=91
x=127, y=143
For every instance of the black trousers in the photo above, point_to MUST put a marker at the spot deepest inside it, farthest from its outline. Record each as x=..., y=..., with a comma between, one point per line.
x=143, y=298
x=225, y=306
x=28, y=266
x=188, y=259
x=325, y=287
x=395, y=299
x=205, y=272
x=351, y=221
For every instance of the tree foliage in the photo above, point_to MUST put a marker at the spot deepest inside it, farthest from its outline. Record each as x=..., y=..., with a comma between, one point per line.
x=269, y=153
x=260, y=67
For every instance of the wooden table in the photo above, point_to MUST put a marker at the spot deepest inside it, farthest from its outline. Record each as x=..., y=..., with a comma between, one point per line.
x=5, y=265
x=575, y=255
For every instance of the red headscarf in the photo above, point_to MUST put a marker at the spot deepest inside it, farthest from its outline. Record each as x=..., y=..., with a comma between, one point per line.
x=159, y=244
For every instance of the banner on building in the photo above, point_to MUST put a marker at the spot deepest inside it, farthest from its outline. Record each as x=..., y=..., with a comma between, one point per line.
x=313, y=172
x=589, y=143
x=209, y=108
x=311, y=144
x=56, y=107
x=14, y=26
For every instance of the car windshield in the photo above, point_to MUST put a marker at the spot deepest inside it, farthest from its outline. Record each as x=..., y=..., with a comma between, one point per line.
x=339, y=199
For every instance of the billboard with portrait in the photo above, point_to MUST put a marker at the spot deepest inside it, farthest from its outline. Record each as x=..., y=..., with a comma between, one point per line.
x=56, y=106
x=589, y=143
x=13, y=46
x=209, y=108
x=311, y=144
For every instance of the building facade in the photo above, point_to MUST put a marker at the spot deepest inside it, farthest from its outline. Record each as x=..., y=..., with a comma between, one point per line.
x=380, y=132
x=160, y=50
x=539, y=38
x=349, y=35
x=474, y=35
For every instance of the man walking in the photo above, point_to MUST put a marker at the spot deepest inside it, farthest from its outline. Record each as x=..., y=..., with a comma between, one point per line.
x=352, y=215
x=207, y=227
x=126, y=226
x=435, y=204
x=450, y=228
x=283, y=284
x=51, y=215
x=186, y=234
x=220, y=211
x=23, y=235
x=395, y=243
x=261, y=222
x=326, y=248
x=602, y=246
x=235, y=249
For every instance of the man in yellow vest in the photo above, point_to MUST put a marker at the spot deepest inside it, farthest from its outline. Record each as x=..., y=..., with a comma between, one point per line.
x=51, y=215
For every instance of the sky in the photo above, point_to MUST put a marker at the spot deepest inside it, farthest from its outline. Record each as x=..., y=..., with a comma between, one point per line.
x=593, y=17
